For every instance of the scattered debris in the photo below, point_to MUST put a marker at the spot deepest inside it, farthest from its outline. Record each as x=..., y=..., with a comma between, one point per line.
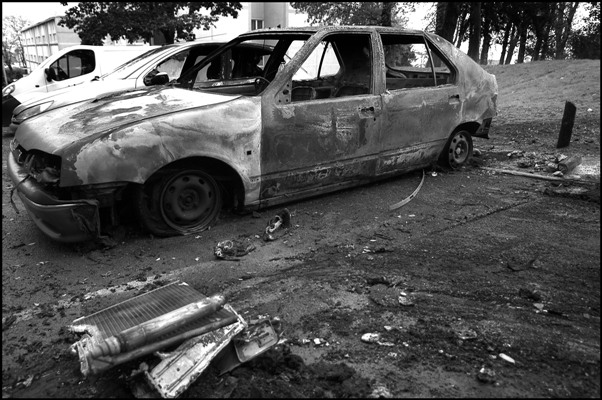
x=384, y=295
x=486, y=375
x=371, y=337
x=27, y=382
x=6, y=323
x=529, y=294
x=232, y=249
x=539, y=306
x=535, y=176
x=466, y=334
x=380, y=392
x=409, y=198
x=405, y=301
x=255, y=339
x=506, y=358
x=280, y=221
x=204, y=327
x=525, y=163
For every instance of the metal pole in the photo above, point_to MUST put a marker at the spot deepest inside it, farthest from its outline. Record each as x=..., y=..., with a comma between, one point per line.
x=566, y=129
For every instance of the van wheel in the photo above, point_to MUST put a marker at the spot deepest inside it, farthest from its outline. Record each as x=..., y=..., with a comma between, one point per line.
x=457, y=151
x=179, y=202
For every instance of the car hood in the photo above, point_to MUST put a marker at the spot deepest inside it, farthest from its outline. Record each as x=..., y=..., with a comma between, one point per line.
x=70, y=95
x=54, y=130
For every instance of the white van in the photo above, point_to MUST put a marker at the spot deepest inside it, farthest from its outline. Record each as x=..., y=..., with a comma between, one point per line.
x=69, y=67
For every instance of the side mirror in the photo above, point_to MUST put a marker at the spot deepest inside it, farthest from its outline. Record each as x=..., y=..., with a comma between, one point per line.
x=50, y=74
x=160, y=79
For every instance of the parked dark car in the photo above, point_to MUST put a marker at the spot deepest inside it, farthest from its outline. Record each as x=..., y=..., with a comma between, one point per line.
x=328, y=108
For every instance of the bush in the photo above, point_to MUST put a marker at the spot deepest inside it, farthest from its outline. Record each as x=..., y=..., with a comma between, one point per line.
x=16, y=73
x=585, y=46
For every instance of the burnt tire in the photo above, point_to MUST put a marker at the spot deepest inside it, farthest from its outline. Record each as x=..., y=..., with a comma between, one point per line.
x=178, y=202
x=457, y=151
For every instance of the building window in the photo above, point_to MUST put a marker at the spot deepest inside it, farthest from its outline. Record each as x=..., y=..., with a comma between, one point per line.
x=256, y=24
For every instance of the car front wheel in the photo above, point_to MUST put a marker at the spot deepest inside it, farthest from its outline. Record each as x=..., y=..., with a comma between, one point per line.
x=179, y=202
x=457, y=151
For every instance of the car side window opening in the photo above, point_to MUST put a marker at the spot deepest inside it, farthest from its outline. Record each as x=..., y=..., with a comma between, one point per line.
x=341, y=65
x=236, y=69
x=410, y=63
x=171, y=66
x=73, y=64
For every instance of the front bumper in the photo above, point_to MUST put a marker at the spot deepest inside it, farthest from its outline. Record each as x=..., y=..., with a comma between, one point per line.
x=9, y=103
x=12, y=128
x=64, y=221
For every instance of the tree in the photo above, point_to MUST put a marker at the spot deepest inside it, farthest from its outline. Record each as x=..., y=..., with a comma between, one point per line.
x=492, y=23
x=93, y=21
x=355, y=13
x=446, y=18
x=475, y=31
x=585, y=42
x=565, y=11
x=12, y=48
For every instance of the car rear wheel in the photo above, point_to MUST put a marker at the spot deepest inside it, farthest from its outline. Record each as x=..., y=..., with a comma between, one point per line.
x=457, y=151
x=179, y=202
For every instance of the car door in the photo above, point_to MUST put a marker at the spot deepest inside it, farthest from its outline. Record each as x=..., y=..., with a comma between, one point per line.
x=322, y=132
x=71, y=69
x=421, y=103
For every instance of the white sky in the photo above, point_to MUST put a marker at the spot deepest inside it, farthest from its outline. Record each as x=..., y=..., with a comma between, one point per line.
x=34, y=12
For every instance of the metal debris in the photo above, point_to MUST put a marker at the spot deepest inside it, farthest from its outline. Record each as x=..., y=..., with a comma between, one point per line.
x=282, y=220
x=206, y=329
x=232, y=250
x=506, y=358
x=370, y=337
x=409, y=198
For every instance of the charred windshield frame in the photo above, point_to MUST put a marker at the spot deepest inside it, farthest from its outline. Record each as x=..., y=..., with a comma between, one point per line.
x=273, y=44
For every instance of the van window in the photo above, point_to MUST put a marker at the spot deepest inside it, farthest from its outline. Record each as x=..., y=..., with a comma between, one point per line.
x=73, y=64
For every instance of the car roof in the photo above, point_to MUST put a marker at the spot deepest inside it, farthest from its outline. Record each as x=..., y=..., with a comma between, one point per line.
x=338, y=28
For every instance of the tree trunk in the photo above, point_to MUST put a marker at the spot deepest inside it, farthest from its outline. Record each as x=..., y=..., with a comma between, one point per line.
x=446, y=19
x=546, y=42
x=558, y=29
x=505, y=42
x=565, y=26
x=475, y=31
x=463, y=23
x=385, y=17
x=537, y=49
x=522, y=42
x=512, y=44
x=486, y=41
x=485, y=49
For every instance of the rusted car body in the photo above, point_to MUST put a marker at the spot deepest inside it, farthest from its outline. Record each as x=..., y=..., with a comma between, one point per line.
x=329, y=108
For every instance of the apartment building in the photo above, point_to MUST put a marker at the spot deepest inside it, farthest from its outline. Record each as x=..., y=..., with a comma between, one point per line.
x=45, y=38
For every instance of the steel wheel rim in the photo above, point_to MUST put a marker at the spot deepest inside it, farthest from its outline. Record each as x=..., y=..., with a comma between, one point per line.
x=459, y=150
x=188, y=200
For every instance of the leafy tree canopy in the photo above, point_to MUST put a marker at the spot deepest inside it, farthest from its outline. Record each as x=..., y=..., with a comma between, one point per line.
x=355, y=13
x=93, y=21
x=585, y=43
x=12, y=48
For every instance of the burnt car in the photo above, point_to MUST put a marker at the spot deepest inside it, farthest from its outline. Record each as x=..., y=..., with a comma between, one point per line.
x=328, y=108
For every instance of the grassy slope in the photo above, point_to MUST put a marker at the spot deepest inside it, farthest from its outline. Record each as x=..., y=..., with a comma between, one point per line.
x=531, y=103
x=538, y=90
